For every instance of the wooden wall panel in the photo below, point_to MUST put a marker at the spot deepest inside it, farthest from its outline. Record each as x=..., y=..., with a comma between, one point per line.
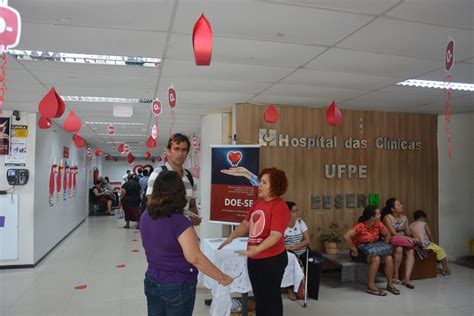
x=409, y=175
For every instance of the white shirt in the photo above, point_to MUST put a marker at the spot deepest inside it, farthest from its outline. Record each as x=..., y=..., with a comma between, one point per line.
x=294, y=235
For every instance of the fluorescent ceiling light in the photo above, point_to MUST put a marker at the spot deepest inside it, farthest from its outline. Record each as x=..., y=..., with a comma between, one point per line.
x=437, y=84
x=85, y=58
x=114, y=123
x=73, y=98
x=123, y=111
x=124, y=135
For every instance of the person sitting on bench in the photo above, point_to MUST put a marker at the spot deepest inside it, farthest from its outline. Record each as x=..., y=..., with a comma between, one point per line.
x=422, y=232
x=102, y=198
x=363, y=240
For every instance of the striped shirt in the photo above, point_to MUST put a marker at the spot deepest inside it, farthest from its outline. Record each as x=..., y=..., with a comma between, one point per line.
x=191, y=191
x=294, y=235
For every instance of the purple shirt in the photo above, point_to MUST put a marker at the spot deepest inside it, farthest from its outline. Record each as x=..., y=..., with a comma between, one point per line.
x=166, y=262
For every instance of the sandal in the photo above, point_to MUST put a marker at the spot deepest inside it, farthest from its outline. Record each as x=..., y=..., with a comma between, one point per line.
x=377, y=292
x=292, y=296
x=393, y=290
x=445, y=272
x=408, y=285
x=396, y=281
x=126, y=226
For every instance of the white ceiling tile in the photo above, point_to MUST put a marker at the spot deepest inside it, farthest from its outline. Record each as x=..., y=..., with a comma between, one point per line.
x=461, y=72
x=312, y=91
x=291, y=100
x=410, y=39
x=452, y=13
x=141, y=14
x=256, y=20
x=205, y=84
x=71, y=39
x=216, y=71
x=359, y=6
x=365, y=63
x=245, y=51
x=338, y=79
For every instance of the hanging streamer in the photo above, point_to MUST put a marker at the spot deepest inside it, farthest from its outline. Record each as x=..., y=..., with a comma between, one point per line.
x=172, y=100
x=361, y=133
x=448, y=91
x=111, y=132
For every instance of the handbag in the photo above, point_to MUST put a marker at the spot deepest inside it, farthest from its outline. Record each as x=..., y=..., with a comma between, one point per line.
x=399, y=241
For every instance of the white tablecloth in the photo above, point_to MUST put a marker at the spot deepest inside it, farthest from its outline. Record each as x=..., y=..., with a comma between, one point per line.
x=231, y=263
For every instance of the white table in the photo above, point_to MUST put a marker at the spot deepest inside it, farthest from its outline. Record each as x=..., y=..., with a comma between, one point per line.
x=231, y=263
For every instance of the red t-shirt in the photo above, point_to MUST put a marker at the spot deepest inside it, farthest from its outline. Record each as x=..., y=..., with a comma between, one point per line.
x=265, y=216
x=366, y=234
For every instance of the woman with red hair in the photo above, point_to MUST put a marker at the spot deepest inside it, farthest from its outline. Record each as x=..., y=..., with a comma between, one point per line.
x=265, y=224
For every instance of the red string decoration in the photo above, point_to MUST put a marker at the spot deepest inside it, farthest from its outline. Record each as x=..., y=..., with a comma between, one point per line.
x=448, y=91
x=3, y=80
x=172, y=100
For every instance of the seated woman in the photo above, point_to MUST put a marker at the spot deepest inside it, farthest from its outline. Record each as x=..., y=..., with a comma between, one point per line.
x=363, y=240
x=296, y=238
x=101, y=198
x=397, y=224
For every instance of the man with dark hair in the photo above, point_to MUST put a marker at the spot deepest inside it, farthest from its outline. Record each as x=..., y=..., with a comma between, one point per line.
x=139, y=173
x=177, y=151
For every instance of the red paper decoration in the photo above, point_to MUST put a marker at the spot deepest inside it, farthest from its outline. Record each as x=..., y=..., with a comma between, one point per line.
x=271, y=114
x=150, y=142
x=72, y=123
x=51, y=106
x=44, y=123
x=202, y=42
x=171, y=97
x=78, y=140
x=130, y=158
x=121, y=148
x=147, y=155
x=108, y=157
x=98, y=152
x=159, y=158
x=154, y=131
x=333, y=114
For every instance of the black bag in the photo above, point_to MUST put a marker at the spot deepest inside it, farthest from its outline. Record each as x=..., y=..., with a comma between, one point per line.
x=315, y=266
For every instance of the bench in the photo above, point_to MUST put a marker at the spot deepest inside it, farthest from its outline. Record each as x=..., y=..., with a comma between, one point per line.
x=350, y=270
x=356, y=271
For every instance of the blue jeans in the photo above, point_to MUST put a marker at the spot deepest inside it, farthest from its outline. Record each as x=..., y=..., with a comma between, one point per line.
x=169, y=299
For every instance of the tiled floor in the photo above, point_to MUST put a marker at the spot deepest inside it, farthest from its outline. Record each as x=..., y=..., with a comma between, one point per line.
x=90, y=255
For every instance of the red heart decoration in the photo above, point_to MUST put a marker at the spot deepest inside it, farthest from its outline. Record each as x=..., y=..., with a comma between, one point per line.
x=72, y=123
x=333, y=114
x=120, y=266
x=121, y=148
x=271, y=114
x=44, y=122
x=81, y=287
x=202, y=42
x=234, y=157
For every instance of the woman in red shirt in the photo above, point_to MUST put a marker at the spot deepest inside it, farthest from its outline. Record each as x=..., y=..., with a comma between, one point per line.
x=363, y=240
x=265, y=224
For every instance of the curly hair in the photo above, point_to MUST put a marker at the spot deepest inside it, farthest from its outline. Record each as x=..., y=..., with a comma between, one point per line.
x=168, y=197
x=278, y=180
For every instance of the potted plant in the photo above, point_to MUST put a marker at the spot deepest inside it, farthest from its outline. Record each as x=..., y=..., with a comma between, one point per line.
x=331, y=239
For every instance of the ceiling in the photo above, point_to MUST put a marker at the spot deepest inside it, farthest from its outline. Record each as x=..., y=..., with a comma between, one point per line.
x=292, y=52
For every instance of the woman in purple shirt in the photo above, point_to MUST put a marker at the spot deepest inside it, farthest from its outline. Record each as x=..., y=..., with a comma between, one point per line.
x=172, y=251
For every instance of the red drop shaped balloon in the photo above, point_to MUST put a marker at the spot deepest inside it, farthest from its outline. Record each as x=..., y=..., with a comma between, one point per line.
x=44, y=123
x=147, y=155
x=130, y=158
x=78, y=140
x=150, y=142
x=271, y=114
x=121, y=148
x=98, y=152
x=76, y=136
x=333, y=114
x=52, y=105
x=202, y=42
x=72, y=123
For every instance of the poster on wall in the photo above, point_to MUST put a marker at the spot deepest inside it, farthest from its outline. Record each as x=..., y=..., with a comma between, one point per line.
x=17, y=151
x=4, y=135
x=234, y=181
x=9, y=227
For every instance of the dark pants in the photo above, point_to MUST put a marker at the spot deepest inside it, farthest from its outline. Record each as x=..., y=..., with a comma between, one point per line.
x=169, y=299
x=265, y=276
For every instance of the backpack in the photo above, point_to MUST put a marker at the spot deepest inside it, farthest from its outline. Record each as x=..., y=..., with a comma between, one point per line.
x=144, y=200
